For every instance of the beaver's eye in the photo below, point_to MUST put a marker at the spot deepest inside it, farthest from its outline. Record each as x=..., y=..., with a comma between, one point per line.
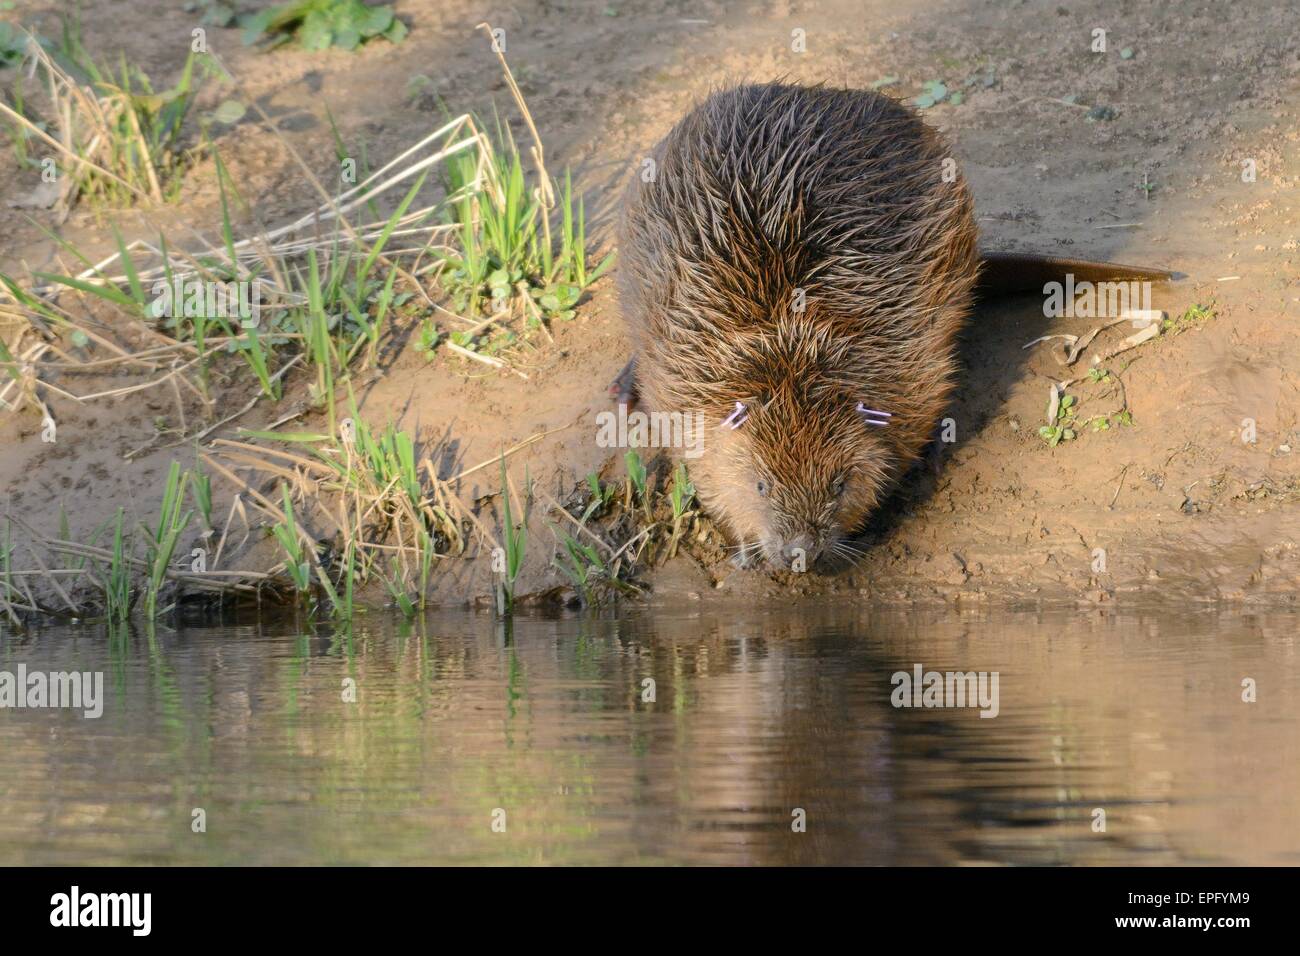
x=762, y=488
x=837, y=488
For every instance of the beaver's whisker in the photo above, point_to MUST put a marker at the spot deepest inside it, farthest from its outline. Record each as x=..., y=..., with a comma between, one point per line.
x=847, y=551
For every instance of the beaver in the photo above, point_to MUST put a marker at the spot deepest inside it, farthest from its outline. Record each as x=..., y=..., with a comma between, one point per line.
x=796, y=272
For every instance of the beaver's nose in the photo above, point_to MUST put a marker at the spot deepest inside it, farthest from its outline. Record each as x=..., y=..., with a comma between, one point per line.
x=798, y=551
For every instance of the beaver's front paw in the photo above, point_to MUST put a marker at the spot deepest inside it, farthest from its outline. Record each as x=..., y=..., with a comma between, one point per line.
x=623, y=389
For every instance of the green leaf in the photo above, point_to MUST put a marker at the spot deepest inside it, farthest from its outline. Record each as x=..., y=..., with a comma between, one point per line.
x=286, y=436
x=257, y=24
x=347, y=38
x=396, y=32
x=229, y=112
x=938, y=89
x=372, y=21
x=316, y=33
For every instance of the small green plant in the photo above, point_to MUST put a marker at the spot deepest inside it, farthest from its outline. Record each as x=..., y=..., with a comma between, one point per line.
x=601, y=496
x=637, y=482
x=256, y=353
x=117, y=582
x=680, y=497
x=161, y=540
x=582, y=565
x=935, y=92
x=399, y=593
x=341, y=605
x=516, y=540
x=297, y=561
x=1194, y=317
x=427, y=341
x=1063, y=428
x=427, y=547
x=20, y=133
x=320, y=344
x=201, y=492
x=321, y=24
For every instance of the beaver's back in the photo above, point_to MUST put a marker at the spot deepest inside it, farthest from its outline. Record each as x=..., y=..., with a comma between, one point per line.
x=764, y=192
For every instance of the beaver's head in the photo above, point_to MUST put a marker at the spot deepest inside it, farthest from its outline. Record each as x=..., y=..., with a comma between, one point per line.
x=794, y=474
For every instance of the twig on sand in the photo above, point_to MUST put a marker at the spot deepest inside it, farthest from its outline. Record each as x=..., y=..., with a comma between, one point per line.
x=1118, y=488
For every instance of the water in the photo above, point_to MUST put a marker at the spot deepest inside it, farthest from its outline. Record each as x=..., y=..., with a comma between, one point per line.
x=758, y=713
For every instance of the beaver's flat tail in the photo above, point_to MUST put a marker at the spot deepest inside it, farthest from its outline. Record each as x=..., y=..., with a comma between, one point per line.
x=1017, y=273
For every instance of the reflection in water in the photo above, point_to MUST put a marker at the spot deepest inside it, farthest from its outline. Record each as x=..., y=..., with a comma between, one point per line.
x=757, y=714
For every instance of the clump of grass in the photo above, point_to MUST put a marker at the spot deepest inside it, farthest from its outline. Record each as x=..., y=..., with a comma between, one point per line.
x=620, y=534
x=118, y=138
x=400, y=595
x=514, y=262
x=161, y=540
x=327, y=301
x=117, y=580
x=583, y=566
x=388, y=520
x=297, y=561
x=508, y=264
x=342, y=605
x=8, y=593
x=515, y=537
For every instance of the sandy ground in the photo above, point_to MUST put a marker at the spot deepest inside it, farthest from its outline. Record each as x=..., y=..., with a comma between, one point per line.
x=1183, y=508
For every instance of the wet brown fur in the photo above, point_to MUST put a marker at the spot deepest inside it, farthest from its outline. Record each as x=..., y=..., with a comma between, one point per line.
x=763, y=190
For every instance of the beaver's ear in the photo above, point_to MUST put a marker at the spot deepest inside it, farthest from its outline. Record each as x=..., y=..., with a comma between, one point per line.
x=737, y=417
x=872, y=417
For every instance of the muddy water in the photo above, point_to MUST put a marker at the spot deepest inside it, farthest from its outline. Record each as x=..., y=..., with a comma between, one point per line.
x=459, y=722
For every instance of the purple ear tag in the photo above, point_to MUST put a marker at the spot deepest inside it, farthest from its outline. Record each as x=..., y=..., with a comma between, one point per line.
x=873, y=417
x=736, y=418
